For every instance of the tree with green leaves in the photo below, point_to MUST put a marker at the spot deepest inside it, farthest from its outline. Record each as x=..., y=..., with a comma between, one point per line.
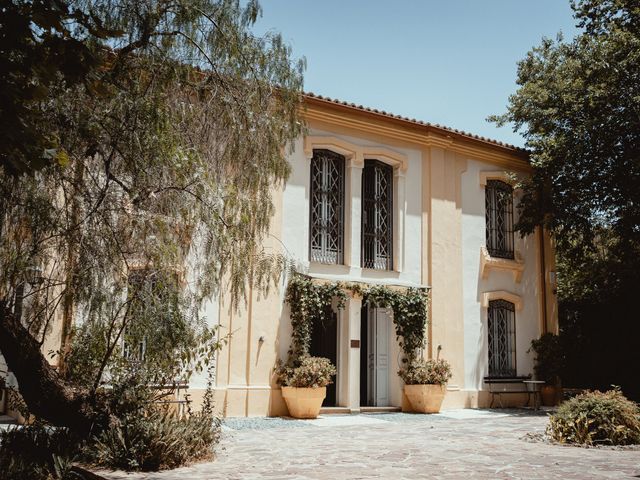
x=135, y=185
x=578, y=107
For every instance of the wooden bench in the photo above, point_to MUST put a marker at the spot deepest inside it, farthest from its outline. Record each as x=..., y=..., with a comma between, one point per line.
x=498, y=387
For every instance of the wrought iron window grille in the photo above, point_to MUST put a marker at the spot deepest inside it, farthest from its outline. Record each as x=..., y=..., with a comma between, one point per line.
x=326, y=240
x=377, y=215
x=502, y=338
x=499, y=219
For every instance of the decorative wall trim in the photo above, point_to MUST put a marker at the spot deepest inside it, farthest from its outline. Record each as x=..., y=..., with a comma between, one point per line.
x=502, y=295
x=487, y=263
x=502, y=176
x=350, y=151
x=397, y=160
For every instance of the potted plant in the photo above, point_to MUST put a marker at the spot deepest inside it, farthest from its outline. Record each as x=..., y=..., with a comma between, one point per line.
x=425, y=384
x=304, y=386
x=549, y=363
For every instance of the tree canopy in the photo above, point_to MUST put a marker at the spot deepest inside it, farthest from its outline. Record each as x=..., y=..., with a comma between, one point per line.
x=149, y=137
x=578, y=107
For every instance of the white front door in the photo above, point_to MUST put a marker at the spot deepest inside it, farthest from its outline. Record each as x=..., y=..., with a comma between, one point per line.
x=378, y=358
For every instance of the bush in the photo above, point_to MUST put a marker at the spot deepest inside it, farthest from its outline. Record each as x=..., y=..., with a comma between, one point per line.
x=313, y=372
x=550, y=358
x=426, y=372
x=596, y=418
x=158, y=440
x=38, y=452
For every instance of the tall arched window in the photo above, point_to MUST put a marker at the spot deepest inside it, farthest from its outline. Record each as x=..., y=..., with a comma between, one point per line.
x=499, y=215
x=502, y=338
x=326, y=244
x=377, y=215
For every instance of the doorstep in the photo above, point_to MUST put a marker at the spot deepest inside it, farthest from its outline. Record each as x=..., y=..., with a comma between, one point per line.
x=347, y=411
x=334, y=410
x=380, y=409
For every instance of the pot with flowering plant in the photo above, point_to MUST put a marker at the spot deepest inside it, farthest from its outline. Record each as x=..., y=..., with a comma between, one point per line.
x=425, y=383
x=304, y=378
x=304, y=387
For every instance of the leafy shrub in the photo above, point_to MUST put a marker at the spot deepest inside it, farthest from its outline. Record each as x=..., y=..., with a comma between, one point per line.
x=158, y=440
x=146, y=435
x=550, y=358
x=596, y=418
x=313, y=372
x=38, y=452
x=426, y=372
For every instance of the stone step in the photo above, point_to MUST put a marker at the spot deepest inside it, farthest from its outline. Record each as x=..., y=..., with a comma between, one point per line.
x=380, y=409
x=334, y=410
x=346, y=410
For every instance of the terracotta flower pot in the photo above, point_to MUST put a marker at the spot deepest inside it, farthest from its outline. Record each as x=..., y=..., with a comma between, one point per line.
x=304, y=402
x=425, y=398
x=551, y=395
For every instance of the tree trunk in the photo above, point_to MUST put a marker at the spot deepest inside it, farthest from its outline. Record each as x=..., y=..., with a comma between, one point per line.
x=47, y=396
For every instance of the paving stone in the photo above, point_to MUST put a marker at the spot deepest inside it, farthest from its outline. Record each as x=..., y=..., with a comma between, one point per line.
x=481, y=444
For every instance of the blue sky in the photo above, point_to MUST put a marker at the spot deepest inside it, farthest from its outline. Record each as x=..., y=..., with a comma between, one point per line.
x=451, y=62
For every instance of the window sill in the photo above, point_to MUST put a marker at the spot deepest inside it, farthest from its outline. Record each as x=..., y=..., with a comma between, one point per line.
x=488, y=263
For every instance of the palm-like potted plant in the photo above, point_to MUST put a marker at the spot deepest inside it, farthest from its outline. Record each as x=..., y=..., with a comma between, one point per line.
x=549, y=363
x=425, y=384
x=304, y=386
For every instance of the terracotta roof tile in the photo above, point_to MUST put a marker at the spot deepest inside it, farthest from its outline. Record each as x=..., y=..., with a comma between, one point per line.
x=416, y=122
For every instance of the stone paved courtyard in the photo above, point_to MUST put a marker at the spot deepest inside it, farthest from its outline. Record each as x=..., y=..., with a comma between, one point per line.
x=455, y=444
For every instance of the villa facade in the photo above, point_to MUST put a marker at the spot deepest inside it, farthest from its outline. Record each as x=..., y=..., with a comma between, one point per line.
x=379, y=199
x=374, y=198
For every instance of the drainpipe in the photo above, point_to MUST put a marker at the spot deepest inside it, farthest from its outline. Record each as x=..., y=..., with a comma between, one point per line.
x=543, y=274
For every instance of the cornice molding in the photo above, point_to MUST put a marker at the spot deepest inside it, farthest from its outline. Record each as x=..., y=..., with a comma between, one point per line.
x=419, y=135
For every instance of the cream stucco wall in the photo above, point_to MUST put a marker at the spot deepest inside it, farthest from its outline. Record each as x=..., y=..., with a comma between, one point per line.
x=439, y=232
x=475, y=315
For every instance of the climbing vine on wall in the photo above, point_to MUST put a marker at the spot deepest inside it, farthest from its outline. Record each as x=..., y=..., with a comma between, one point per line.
x=309, y=302
x=312, y=301
x=410, y=315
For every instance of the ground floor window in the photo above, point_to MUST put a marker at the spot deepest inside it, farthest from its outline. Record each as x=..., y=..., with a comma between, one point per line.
x=502, y=338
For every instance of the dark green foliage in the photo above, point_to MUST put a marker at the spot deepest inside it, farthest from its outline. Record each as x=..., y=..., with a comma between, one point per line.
x=167, y=122
x=410, y=315
x=577, y=106
x=596, y=418
x=157, y=440
x=550, y=358
x=38, y=452
x=38, y=50
x=309, y=302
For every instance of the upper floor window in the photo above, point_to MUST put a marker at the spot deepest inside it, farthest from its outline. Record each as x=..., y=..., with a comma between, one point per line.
x=377, y=215
x=499, y=212
x=326, y=244
x=502, y=338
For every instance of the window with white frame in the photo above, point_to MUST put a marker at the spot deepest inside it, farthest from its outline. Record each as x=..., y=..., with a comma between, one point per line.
x=326, y=239
x=501, y=325
x=377, y=215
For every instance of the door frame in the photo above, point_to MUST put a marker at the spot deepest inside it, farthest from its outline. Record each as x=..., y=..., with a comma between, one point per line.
x=370, y=344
